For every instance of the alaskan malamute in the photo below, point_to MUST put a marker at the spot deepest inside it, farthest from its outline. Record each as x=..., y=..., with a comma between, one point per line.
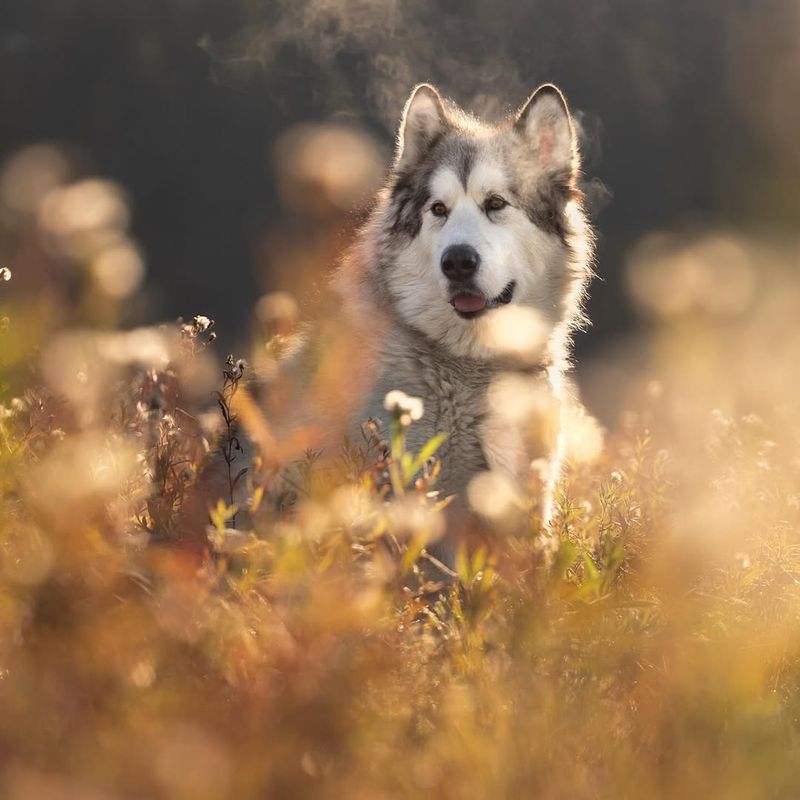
x=464, y=285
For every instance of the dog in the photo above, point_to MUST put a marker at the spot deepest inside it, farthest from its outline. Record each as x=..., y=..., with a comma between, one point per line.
x=465, y=284
x=462, y=289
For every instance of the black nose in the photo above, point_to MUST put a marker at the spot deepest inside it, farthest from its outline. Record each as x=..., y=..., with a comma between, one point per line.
x=460, y=262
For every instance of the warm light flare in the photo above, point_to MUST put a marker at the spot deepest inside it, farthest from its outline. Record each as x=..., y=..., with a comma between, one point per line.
x=71, y=216
x=118, y=270
x=668, y=276
x=515, y=332
x=494, y=496
x=327, y=167
x=29, y=176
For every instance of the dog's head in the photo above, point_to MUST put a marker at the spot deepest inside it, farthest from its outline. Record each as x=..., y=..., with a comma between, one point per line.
x=478, y=218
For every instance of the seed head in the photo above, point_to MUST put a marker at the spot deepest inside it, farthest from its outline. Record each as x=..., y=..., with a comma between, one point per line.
x=404, y=409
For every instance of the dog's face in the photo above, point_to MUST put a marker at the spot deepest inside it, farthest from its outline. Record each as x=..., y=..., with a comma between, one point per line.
x=480, y=218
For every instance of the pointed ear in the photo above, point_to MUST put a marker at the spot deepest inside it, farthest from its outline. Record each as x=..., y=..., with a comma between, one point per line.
x=424, y=121
x=545, y=122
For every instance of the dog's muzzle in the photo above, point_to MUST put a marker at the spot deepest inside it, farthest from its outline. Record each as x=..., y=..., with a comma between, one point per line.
x=470, y=303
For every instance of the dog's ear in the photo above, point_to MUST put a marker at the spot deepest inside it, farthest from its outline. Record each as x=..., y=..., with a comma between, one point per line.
x=545, y=122
x=424, y=121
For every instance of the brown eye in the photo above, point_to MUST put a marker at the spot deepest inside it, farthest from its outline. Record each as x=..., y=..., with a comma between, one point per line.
x=439, y=210
x=495, y=203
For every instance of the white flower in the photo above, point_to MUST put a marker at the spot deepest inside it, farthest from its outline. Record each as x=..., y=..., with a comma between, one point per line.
x=743, y=559
x=201, y=322
x=235, y=368
x=404, y=408
x=5, y=274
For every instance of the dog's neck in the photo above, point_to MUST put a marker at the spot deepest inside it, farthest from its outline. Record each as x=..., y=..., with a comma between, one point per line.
x=419, y=342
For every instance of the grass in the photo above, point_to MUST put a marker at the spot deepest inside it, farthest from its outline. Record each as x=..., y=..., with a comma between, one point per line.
x=157, y=641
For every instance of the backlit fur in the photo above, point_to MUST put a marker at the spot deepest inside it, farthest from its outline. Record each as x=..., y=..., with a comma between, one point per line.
x=393, y=288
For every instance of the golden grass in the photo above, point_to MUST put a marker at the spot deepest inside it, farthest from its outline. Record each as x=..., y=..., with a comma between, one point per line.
x=146, y=652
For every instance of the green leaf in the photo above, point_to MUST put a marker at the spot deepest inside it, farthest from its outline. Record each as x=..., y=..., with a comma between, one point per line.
x=462, y=564
x=428, y=450
x=565, y=557
x=415, y=547
x=479, y=560
x=591, y=577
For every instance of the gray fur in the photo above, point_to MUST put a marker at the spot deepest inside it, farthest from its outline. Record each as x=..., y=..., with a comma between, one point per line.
x=437, y=357
x=454, y=391
x=409, y=189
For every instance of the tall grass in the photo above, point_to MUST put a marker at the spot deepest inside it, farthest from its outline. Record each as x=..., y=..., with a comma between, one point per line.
x=287, y=631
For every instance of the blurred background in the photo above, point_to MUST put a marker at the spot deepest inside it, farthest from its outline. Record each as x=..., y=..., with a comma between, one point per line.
x=210, y=159
x=189, y=156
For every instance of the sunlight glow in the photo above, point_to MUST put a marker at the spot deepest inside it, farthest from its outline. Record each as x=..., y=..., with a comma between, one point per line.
x=514, y=332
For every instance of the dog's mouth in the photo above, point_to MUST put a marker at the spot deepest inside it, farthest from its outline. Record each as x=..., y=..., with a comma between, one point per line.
x=470, y=304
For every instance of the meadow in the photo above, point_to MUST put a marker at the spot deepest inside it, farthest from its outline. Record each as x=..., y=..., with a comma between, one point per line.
x=286, y=632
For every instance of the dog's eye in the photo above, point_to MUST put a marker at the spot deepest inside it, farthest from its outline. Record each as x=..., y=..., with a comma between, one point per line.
x=495, y=203
x=439, y=209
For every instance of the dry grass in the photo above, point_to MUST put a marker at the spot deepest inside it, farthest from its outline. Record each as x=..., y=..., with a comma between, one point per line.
x=147, y=653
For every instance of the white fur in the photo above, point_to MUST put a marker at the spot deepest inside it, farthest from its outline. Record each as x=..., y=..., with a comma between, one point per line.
x=500, y=408
x=510, y=246
x=423, y=118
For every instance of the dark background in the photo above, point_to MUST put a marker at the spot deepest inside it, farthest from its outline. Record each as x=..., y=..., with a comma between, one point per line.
x=689, y=109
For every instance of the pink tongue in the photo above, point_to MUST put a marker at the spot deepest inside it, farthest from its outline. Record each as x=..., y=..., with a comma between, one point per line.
x=469, y=302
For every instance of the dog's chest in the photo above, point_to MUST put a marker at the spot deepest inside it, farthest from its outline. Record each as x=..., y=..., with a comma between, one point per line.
x=455, y=394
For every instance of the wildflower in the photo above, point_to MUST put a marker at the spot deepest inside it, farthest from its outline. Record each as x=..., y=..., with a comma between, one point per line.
x=234, y=368
x=743, y=559
x=404, y=409
x=192, y=332
x=371, y=427
x=201, y=323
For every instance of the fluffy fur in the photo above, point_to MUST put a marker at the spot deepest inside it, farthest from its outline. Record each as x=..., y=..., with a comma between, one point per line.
x=500, y=406
x=499, y=401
